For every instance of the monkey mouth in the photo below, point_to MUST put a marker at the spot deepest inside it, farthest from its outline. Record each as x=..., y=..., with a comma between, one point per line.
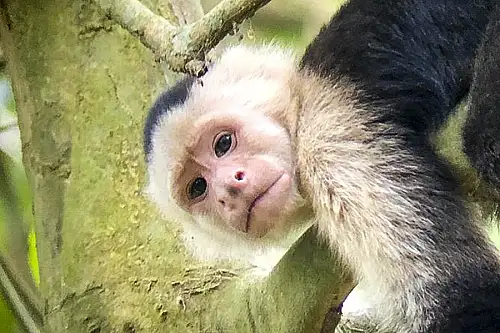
x=257, y=199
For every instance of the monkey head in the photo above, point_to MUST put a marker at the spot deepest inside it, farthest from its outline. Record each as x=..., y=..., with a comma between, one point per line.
x=224, y=159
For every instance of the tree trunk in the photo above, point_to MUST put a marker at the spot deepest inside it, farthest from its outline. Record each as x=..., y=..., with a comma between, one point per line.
x=107, y=262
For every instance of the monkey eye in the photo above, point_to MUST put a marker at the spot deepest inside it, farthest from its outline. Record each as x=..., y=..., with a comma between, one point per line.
x=197, y=188
x=223, y=143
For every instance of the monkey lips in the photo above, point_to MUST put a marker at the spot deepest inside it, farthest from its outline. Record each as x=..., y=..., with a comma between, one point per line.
x=267, y=206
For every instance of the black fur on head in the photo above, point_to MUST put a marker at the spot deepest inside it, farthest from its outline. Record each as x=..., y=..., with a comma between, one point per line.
x=174, y=96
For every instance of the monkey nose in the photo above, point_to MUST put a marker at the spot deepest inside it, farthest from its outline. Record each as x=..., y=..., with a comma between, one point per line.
x=238, y=180
x=239, y=176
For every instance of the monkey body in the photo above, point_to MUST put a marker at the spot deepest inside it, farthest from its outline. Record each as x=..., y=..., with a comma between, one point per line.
x=340, y=140
x=374, y=189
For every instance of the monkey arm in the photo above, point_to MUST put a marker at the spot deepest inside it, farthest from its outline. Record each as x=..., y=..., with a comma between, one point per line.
x=393, y=210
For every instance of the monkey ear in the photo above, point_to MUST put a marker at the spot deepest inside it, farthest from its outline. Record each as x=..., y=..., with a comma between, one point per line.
x=174, y=96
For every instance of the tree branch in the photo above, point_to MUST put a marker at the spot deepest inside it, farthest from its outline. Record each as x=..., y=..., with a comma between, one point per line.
x=307, y=283
x=184, y=11
x=153, y=30
x=182, y=47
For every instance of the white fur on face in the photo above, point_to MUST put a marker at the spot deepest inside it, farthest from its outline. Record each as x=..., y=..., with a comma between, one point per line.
x=248, y=82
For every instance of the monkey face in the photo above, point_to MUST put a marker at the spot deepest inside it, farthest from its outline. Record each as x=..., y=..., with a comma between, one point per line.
x=226, y=158
x=239, y=171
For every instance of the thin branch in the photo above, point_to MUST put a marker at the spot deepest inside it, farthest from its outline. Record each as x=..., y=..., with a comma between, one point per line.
x=223, y=19
x=16, y=285
x=184, y=11
x=182, y=47
x=26, y=305
x=152, y=29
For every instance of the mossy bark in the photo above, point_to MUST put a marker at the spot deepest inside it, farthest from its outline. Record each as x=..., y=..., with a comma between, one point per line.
x=107, y=262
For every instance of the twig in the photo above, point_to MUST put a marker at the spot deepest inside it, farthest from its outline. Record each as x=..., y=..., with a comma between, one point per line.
x=182, y=47
x=154, y=31
x=19, y=296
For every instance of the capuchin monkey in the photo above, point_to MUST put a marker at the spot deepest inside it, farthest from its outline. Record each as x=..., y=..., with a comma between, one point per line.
x=263, y=143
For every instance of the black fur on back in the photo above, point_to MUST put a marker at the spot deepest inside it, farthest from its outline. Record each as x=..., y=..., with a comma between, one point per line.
x=474, y=302
x=482, y=128
x=414, y=55
x=174, y=96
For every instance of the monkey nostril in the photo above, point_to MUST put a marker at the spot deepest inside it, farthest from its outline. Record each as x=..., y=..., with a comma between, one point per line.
x=239, y=176
x=222, y=202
